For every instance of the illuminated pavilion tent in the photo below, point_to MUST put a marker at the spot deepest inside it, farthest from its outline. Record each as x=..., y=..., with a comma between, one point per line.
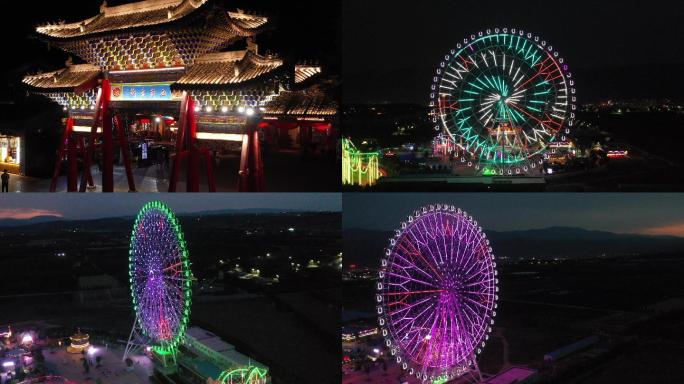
x=79, y=342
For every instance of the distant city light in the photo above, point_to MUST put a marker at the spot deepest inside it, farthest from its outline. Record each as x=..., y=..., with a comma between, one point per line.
x=8, y=364
x=291, y=229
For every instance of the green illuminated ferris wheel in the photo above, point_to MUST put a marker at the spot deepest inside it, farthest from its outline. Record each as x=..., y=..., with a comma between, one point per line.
x=500, y=98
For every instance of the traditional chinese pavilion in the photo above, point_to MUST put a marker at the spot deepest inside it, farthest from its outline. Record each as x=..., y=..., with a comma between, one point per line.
x=165, y=74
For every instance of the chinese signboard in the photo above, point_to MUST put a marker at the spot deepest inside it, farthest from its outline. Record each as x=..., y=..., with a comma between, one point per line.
x=144, y=92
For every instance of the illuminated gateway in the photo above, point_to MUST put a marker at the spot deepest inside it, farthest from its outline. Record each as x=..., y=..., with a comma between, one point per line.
x=167, y=71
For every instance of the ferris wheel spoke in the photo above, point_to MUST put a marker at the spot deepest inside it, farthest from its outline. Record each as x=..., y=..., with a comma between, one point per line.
x=411, y=264
x=416, y=252
x=427, y=339
x=411, y=321
x=408, y=278
x=469, y=300
x=437, y=328
x=157, y=267
x=406, y=307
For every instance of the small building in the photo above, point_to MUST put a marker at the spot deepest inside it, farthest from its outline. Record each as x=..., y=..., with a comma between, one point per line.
x=570, y=349
x=11, y=153
x=206, y=358
x=352, y=333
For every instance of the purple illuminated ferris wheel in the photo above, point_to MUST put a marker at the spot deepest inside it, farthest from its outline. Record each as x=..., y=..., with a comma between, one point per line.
x=437, y=293
x=160, y=278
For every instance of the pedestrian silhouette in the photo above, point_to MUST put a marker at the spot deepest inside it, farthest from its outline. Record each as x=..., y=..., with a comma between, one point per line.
x=5, y=181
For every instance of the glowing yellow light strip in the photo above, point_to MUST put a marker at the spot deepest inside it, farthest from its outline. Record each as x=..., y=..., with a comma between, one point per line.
x=166, y=69
x=83, y=128
x=219, y=136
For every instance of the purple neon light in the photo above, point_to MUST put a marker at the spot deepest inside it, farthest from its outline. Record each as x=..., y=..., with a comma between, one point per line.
x=437, y=292
x=159, y=275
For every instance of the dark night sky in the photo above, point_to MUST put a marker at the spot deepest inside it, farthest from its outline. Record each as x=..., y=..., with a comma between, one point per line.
x=658, y=214
x=298, y=34
x=90, y=206
x=614, y=48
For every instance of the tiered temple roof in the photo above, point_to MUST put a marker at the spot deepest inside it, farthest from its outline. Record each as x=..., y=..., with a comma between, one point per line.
x=144, y=13
x=71, y=77
x=229, y=68
x=313, y=101
x=179, y=42
x=304, y=72
x=152, y=33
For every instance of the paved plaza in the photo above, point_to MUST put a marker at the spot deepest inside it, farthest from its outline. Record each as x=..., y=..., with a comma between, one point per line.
x=112, y=370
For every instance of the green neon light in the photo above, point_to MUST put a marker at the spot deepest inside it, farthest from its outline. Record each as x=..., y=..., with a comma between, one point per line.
x=165, y=348
x=489, y=149
x=482, y=89
x=488, y=171
x=359, y=168
x=248, y=375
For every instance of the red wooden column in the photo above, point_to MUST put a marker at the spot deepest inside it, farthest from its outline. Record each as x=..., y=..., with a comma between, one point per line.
x=243, y=173
x=251, y=176
x=107, y=141
x=180, y=140
x=88, y=158
x=72, y=159
x=68, y=128
x=257, y=175
x=193, y=152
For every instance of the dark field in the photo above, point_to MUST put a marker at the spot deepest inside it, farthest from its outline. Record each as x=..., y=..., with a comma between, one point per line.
x=549, y=305
x=290, y=323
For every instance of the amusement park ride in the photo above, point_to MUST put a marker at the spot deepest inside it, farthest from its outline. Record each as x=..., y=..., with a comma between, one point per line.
x=359, y=167
x=161, y=289
x=167, y=57
x=499, y=100
x=437, y=295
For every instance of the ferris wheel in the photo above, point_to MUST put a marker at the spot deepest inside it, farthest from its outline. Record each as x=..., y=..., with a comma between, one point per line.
x=160, y=279
x=437, y=293
x=501, y=97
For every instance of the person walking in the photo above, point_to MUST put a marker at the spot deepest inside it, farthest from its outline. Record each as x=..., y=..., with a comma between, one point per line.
x=5, y=181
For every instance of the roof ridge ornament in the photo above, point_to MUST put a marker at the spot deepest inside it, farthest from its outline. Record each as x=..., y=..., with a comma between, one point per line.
x=103, y=7
x=252, y=46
